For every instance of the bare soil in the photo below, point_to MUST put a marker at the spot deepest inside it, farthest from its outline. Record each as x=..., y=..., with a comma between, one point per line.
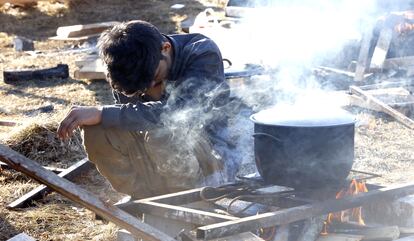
x=55, y=217
x=383, y=146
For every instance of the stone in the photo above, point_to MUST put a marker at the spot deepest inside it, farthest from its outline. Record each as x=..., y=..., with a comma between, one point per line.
x=398, y=212
x=23, y=44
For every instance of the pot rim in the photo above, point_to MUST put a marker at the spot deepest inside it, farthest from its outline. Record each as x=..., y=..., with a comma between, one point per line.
x=340, y=123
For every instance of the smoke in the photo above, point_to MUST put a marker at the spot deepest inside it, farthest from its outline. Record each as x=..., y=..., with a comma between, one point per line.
x=288, y=38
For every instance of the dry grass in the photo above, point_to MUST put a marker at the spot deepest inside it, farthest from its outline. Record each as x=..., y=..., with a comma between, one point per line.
x=382, y=146
x=37, y=140
x=55, y=217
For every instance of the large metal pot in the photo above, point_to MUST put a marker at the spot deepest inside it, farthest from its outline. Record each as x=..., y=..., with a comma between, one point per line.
x=303, y=150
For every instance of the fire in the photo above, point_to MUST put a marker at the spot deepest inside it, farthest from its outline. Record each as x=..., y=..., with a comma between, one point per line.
x=404, y=27
x=349, y=215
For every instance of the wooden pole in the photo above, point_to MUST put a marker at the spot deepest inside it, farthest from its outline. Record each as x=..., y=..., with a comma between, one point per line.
x=382, y=106
x=37, y=193
x=81, y=196
x=301, y=212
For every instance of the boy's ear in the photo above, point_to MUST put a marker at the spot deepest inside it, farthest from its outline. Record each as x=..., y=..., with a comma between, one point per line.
x=166, y=46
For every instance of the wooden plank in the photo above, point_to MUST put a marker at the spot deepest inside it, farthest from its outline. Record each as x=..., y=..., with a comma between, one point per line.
x=86, y=60
x=382, y=106
x=81, y=196
x=312, y=228
x=409, y=238
x=92, y=70
x=406, y=230
x=363, y=57
x=248, y=236
x=60, y=71
x=40, y=191
x=178, y=198
x=18, y=2
x=381, y=49
x=53, y=169
x=82, y=38
x=339, y=237
x=373, y=233
x=184, y=214
x=397, y=63
x=301, y=212
x=22, y=237
x=84, y=29
x=8, y=123
x=390, y=83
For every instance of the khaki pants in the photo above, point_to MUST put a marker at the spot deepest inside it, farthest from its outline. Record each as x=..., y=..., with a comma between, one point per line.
x=143, y=164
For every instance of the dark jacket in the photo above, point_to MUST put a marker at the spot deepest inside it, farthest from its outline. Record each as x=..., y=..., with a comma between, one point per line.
x=196, y=79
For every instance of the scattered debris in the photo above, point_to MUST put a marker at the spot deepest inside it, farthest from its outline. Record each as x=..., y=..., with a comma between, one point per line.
x=19, y=2
x=60, y=71
x=23, y=44
x=178, y=6
x=43, y=109
x=8, y=123
x=90, y=68
x=82, y=32
x=382, y=106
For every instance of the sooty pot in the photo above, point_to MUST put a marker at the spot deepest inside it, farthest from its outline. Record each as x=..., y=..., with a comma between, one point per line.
x=303, y=149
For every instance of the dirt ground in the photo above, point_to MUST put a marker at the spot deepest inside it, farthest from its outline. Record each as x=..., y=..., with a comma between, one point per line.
x=383, y=146
x=55, y=217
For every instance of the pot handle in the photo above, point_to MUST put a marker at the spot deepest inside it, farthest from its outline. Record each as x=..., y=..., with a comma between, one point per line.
x=267, y=135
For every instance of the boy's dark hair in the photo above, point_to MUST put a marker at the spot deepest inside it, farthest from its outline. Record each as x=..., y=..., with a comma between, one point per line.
x=131, y=52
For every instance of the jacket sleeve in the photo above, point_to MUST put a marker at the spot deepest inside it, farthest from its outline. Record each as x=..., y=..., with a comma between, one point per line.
x=132, y=116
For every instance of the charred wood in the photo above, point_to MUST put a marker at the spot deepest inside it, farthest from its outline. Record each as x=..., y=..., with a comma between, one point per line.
x=60, y=71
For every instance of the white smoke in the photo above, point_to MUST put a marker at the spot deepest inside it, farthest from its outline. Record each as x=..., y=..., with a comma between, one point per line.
x=288, y=38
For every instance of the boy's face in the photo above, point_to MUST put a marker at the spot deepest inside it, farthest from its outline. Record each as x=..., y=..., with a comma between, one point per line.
x=161, y=73
x=158, y=83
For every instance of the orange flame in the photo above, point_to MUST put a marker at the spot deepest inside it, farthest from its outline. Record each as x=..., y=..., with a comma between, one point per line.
x=354, y=214
x=404, y=28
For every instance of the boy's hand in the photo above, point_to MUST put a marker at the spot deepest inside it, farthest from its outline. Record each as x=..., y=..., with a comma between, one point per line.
x=79, y=116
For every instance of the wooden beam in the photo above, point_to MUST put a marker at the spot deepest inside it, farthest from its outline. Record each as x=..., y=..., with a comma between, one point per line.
x=312, y=227
x=80, y=39
x=390, y=83
x=409, y=238
x=8, y=123
x=53, y=169
x=190, y=236
x=81, y=196
x=301, y=212
x=92, y=70
x=363, y=57
x=86, y=60
x=39, y=192
x=382, y=106
x=339, y=237
x=84, y=29
x=381, y=49
x=184, y=214
x=60, y=71
x=373, y=233
x=18, y=2
x=397, y=63
x=178, y=198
